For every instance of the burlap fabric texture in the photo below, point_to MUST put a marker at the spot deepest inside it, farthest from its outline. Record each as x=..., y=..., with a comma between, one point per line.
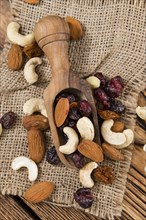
x=114, y=41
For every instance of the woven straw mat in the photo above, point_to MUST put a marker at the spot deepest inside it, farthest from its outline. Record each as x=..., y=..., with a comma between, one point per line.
x=114, y=43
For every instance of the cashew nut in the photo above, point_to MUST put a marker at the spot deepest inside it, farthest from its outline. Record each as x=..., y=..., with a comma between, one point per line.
x=141, y=112
x=22, y=161
x=72, y=142
x=1, y=129
x=15, y=37
x=34, y=105
x=29, y=70
x=114, y=138
x=129, y=139
x=85, y=174
x=85, y=128
x=144, y=147
x=93, y=81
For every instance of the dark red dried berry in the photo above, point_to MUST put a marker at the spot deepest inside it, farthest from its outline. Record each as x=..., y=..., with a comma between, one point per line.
x=101, y=95
x=84, y=108
x=8, y=120
x=52, y=156
x=117, y=106
x=115, y=87
x=74, y=114
x=102, y=79
x=78, y=159
x=84, y=197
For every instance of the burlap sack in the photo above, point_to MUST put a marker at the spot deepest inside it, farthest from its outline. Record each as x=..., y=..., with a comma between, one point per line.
x=114, y=41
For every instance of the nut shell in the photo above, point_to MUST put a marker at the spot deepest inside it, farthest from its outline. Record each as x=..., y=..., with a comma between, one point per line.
x=15, y=57
x=36, y=145
x=39, y=192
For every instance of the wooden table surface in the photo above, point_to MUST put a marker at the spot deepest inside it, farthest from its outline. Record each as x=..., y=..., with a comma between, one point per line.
x=14, y=207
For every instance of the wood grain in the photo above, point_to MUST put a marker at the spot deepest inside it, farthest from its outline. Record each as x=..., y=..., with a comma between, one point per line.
x=12, y=207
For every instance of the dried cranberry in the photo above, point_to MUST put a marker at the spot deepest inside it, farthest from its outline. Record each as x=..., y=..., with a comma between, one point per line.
x=117, y=106
x=74, y=114
x=102, y=79
x=8, y=120
x=115, y=87
x=101, y=95
x=78, y=159
x=84, y=197
x=52, y=156
x=84, y=108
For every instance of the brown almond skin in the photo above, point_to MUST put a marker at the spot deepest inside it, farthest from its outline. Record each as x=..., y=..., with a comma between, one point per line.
x=32, y=50
x=107, y=114
x=111, y=152
x=39, y=192
x=118, y=126
x=61, y=111
x=76, y=30
x=36, y=145
x=91, y=150
x=36, y=121
x=15, y=57
x=33, y=2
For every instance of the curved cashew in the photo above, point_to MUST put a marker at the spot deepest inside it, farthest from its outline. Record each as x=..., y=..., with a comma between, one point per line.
x=22, y=161
x=129, y=139
x=1, y=129
x=144, y=147
x=72, y=142
x=85, y=128
x=114, y=138
x=29, y=70
x=141, y=112
x=85, y=174
x=15, y=37
x=34, y=105
x=93, y=81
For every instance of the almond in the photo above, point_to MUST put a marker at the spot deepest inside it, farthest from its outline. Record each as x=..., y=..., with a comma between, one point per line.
x=33, y=2
x=36, y=121
x=118, y=126
x=107, y=114
x=76, y=30
x=39, y=192
x=32, y=50
x=91, y=150
x=15, y=57
x=36, y=145
x=111, y=152
x=61, y=111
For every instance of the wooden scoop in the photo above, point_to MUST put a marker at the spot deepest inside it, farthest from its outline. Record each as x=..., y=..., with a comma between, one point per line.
x=52, y=35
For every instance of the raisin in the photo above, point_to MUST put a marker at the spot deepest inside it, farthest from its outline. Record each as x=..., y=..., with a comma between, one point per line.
x=52, y=156
x=78, y=159
x=8, y=120
x=117, y=106
x=84, y=108
x=74, y=114
x=84, y=197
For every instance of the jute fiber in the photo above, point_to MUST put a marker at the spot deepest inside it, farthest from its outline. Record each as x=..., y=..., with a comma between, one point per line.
x=114, y=43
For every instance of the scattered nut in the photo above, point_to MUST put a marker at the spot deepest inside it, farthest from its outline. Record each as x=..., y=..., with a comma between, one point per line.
x=114, y=138
x=129, y=139
x=1, y=129
x=75, y=27
x=141, y=112
x=107, y=114
x=36, y=145
x=91, y=150
x=15, y=57
x=85, y=128
x=118, y=126
x=33, y=2
x=111, y=152
x=34, y=105
x=22, y=161
x=85, y=174
x=61, y=111
x=35, y=121
x=93, y=81
x=104, y=174
x=144, y=147
x=29, y=70
x=142, y=99
x=16, y=38
x=39, y=192
x=32, y=50
x=72, y=142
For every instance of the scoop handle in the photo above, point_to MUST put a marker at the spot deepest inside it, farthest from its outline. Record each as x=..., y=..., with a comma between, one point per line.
x=52, y=35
